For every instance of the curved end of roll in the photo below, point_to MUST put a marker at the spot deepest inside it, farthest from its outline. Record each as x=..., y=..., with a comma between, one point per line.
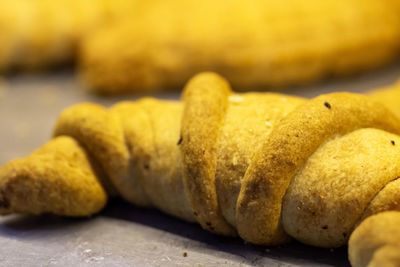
x=56, y=179
x=373, y=242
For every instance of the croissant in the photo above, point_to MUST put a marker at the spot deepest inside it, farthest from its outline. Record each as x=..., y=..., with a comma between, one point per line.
x=267, y=167
x=255, y=44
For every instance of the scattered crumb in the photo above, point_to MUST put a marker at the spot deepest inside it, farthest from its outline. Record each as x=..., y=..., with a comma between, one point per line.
x=94, y=259
x=185, y=254
x=235, y=98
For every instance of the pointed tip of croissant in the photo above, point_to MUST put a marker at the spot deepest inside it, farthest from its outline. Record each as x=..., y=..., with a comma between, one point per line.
x=55, y=179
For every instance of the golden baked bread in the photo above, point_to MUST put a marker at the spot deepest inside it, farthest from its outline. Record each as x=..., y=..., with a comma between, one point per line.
x=376, y=241
x=136, y=45
x=268, y=167
x=41, y=33
x=255, y=44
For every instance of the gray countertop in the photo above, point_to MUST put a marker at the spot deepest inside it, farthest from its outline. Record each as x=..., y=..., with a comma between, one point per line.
x=124, y=235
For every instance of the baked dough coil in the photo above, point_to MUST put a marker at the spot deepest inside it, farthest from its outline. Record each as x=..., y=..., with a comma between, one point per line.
x=268, y=167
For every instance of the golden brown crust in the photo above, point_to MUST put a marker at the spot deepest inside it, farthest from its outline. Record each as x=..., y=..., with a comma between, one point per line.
x=156, y=151
x=132, y=126
x=136, y=146
x=387, y=198
x=347, y=179
x=58, y=178
x=102, y=135
x=289, y=145
x=249, y=120
x=205, y=100
x=387, y=256
x=133, y=150
x=376, y=242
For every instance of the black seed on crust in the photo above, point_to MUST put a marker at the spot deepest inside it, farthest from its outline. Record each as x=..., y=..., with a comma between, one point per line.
x=327, y=105
x=180, y=140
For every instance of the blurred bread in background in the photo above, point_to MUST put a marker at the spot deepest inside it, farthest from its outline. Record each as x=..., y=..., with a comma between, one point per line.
x=255, y=44
x=38, y=34
x=124, y=46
